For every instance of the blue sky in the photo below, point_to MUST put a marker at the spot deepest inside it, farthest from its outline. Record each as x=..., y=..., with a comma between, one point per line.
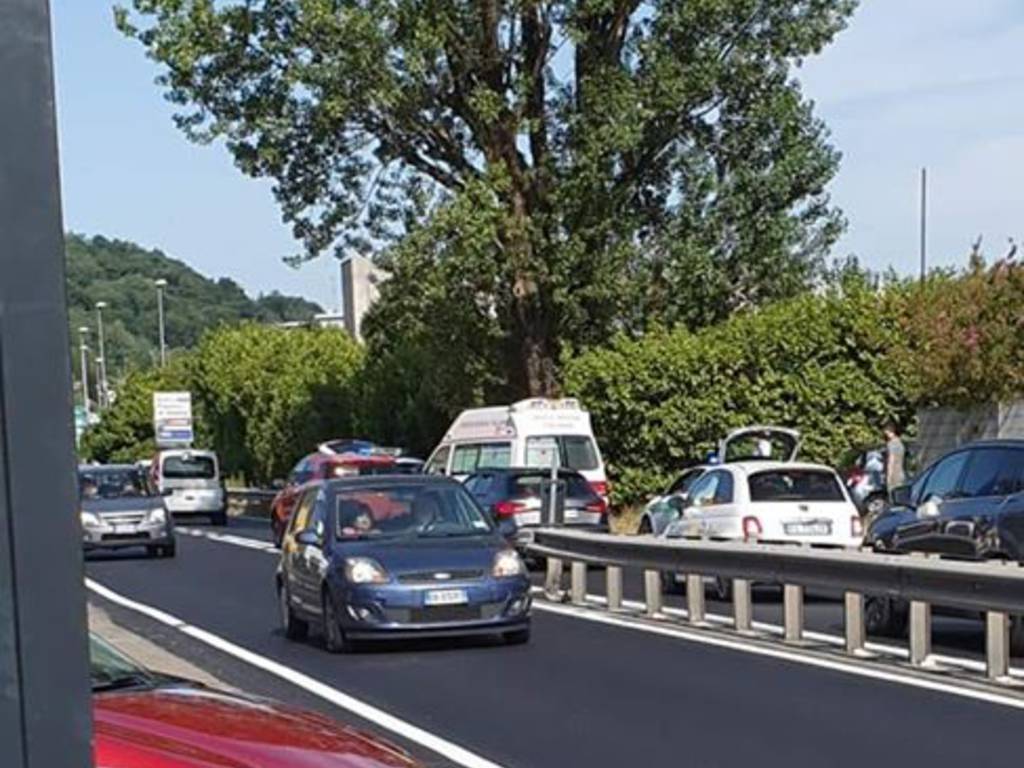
x=911, y=83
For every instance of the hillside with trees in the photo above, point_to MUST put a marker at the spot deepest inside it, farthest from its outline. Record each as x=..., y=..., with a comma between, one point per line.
x=121, y=273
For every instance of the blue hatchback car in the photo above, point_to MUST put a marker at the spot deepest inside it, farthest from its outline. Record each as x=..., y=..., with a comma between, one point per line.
x=398, y=556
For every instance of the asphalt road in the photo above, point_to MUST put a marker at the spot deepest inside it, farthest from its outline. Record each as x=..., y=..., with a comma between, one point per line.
x=582, y=693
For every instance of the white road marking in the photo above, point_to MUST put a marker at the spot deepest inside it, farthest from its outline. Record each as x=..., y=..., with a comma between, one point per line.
x=852, y=667
x=379, y=717
x=882, y=649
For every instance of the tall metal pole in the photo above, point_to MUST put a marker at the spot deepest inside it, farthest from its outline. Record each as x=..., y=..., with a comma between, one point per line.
x=83, y=351
x=160, y=285
x=924, y=223
x=102, y=359
x=45, y=697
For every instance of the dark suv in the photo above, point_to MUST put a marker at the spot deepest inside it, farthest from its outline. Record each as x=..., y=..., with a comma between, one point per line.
x=968, y=504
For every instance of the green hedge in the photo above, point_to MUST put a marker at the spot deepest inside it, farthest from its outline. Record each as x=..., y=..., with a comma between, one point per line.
x=821, y=363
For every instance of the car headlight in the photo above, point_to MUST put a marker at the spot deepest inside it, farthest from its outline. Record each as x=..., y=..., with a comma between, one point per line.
x=157, y=515
x=508, y=563
x=90, y=519
x=364, y=570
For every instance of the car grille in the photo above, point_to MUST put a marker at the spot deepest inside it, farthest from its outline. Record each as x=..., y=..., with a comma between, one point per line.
x=440, y=614
x=123, y=518
x=121, y=536
x=430, y=577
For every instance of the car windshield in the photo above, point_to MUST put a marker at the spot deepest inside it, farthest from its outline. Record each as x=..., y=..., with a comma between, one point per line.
x=570, y=451
x=110, y=670
x=795, y=485
x=408, y=510
x=121, y=483
x=189, y=467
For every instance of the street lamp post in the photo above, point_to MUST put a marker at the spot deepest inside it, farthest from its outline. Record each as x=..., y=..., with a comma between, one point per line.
x=160, y=285
x=83, y=352
x=102, y=359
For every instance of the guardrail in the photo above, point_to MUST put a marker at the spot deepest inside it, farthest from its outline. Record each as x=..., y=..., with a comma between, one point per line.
x=994, y=589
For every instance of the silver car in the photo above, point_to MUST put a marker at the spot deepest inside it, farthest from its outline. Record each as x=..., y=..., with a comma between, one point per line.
x=120, y=508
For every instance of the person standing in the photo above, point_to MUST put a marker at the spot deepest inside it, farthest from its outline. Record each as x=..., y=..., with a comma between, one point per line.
x=895, y=457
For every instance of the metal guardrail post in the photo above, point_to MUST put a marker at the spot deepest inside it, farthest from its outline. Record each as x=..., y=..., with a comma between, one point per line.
x=613, y=587
x=997, y=645
x=742, y=606
x=793, y=612
x=652, y=592
x=553, y=580
x=695, y=598
x=855, y=630
x=920, y=632
x=578, y=583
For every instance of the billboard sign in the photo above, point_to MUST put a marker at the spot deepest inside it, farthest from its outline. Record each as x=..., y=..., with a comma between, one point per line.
x=172, y=418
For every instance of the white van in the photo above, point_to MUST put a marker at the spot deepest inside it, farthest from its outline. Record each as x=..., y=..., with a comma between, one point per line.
x=191, y=483
x=530, y=433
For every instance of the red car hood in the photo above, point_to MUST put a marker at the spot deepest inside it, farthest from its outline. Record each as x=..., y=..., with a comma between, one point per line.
x=194, y=727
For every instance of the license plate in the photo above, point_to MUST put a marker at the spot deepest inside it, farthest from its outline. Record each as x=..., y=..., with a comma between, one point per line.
x=124, y=528
x=808, y=529
x=445, y=597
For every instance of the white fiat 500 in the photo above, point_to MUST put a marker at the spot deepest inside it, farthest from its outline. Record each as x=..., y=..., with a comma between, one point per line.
x=770, y=501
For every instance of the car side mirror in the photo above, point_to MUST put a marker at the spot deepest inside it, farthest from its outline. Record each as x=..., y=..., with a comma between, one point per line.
x=308, y=538
x=277, y=484
x=900, y=496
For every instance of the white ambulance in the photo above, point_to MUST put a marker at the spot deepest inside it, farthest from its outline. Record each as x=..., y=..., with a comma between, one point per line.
x=531, y=433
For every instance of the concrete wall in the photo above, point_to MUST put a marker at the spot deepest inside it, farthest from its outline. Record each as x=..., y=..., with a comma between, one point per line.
x=940, y=430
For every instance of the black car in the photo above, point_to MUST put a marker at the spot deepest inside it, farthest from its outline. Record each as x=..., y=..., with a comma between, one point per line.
x=519, y=499
x=120, y=508
x=398, y=556
x=968, y=504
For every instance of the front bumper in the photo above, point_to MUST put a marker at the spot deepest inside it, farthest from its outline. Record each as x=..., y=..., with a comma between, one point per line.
x=109, y=536
x=398, y=611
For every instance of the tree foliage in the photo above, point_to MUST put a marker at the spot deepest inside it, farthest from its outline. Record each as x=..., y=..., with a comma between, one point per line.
x=121, y=273
x=262, y=397
x=629, y=162
x=823, y=364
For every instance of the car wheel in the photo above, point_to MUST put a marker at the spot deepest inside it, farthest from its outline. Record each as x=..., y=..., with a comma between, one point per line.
x=334, y=638
x=220, y=519
x=884, y=616
x=294, y=627
x=721, y=589
x=645, y=527
x=154, y=551
x=1017, y=635
x=517, y=637
x=168, y=550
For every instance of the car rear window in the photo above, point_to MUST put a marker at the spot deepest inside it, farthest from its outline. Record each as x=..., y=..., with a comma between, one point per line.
x=795, y=485
x=529, y=486
x=189, y=467
x=573, y=452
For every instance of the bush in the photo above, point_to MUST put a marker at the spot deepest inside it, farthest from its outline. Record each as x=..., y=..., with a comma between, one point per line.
x=821, y=363
x=262, y=397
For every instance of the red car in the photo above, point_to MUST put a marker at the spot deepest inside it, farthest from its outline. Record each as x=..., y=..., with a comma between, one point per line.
x=323, y=466
x=145, y=720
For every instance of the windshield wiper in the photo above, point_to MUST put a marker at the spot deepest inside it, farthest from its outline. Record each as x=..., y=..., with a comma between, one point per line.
x=136, y=680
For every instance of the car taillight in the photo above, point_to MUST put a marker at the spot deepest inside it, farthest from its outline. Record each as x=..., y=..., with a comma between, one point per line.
x=752, y=528
x=508, y=508
x=856, y=527
x=600, y=487
x=598, y=505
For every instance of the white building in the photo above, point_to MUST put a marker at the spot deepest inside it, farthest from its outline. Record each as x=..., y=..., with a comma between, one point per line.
x=360, y=282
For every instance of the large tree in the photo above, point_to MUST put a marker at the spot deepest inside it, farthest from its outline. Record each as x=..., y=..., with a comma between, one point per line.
x=628, y=161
